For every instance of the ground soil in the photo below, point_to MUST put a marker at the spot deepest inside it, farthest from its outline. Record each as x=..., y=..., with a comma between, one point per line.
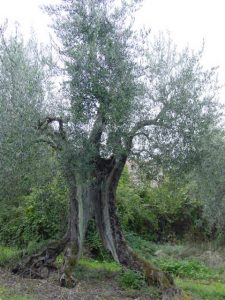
x=106, y=289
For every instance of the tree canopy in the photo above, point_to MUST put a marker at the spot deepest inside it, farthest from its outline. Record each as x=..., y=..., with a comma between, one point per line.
x=129, y=92
x=124, y=95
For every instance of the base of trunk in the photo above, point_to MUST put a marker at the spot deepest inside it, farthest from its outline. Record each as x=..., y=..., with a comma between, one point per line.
x=70, y=261
x=40, y=264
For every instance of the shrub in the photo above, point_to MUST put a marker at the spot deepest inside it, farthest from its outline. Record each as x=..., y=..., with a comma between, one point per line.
x=131, y=280
x=185, y=268
x=39, y=216
x=163, y=213
x=94, y=244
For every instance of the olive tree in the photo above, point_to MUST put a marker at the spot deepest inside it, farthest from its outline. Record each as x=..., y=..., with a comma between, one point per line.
x=125, y=95
x=22, y=86
x=207, y=181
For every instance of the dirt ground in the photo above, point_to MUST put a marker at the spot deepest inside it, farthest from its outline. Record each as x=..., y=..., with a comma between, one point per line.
x=106, y=289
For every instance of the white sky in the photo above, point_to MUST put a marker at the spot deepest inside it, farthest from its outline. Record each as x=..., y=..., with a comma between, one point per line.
x=188, y=21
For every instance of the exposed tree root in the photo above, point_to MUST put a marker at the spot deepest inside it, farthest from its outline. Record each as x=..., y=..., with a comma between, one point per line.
x=153, y=275
x=39, y=265
x=163, y=280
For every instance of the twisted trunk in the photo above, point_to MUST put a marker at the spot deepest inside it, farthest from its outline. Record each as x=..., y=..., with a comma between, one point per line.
x=96, y=197
x=110, y=231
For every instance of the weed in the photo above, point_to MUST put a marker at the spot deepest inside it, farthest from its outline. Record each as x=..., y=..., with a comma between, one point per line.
x=186, y=268
x=131, y=280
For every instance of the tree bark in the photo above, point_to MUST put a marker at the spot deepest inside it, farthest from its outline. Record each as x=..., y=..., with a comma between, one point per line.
x=109, y=227
x=96, y=197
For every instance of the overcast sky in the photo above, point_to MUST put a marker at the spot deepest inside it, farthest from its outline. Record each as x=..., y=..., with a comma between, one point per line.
x=188, y=21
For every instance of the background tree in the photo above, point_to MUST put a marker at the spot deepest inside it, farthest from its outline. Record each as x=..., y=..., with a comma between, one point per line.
x=23, y=86
x=126, y=97
x=206, y=182
x=25, y=163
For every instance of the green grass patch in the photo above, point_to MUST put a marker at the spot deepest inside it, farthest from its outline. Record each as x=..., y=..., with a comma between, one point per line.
x=134, y=284
x=203, y=290
x=9, y=256
x=100, y=265
x=88, y=269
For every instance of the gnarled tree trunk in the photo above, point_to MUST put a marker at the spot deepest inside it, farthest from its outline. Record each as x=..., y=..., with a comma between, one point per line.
x=96, y=197
x=111, y=234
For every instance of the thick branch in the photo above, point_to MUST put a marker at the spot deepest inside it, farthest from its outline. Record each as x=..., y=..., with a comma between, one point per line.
x=52, y=137
x=118, y=169
x=43, y=125
x=142, y=124
x=147, y=122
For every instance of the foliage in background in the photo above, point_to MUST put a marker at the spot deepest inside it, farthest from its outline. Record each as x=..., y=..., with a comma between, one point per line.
x=165, y=213
x=207, y=182
x=94, y=244
x=158, y=213
x=25, y=69
x=39, y=216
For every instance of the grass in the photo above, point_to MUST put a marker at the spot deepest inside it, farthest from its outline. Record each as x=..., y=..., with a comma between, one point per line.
x=202, y=281
x=195, y=277
x=9, y=256
x=129, y=281
x=203, y=290
x=98, y=265
x=189, y=269
x=89, y=269
x=6, y=295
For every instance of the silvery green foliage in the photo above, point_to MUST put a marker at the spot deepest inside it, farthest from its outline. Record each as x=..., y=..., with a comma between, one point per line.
x=100, y=63
x=134, y=94
x=208, y=178
x=144, y=89
x=23, y=89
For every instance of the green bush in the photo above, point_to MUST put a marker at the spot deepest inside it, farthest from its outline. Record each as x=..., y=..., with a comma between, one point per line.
x=143, y=247
x=162, y=213
x=131, y=280
x=185, y=268
x=39, y=216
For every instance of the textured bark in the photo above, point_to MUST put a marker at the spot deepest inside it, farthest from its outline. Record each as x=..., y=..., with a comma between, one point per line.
x=40, y=264
x=95, y=196
x=108, y=225
x=79, y=215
